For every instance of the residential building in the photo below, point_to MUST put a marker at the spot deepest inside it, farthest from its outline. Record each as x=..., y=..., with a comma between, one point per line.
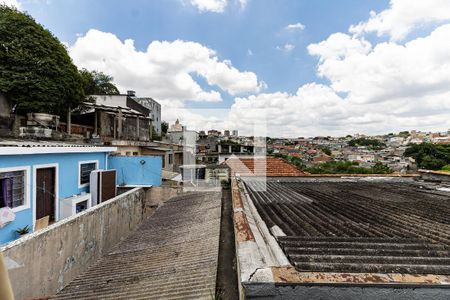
x=36, y=179
x=155, y=111
x=113, y=117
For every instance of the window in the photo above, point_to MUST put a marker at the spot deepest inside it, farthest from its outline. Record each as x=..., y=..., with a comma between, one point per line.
x=85, y=171
x=135, y=153
x=170, y=159
x=12, y=189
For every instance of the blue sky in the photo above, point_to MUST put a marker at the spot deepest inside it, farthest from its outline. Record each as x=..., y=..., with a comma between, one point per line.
x=259, y=28
x=349, y=66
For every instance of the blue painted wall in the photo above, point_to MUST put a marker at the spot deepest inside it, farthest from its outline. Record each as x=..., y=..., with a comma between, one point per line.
x=67, y=178
x=137, y=170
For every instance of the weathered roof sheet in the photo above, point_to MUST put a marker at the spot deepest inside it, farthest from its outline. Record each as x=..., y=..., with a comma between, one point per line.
x=358, y=227
x=171, y=256
x=268, y=166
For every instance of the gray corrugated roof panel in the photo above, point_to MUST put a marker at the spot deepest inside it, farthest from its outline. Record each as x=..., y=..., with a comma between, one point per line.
x=359, y=227
x=173, y=255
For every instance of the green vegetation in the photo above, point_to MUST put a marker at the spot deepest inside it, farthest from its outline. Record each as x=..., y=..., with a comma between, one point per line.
x=404, y=134
x=371, y=143
x=36, y=72
x=347, y=167
x=446, y=168
x=97, y=83
x=326, y=150
x=22, y=230
x=164, y=128
x=429, y=156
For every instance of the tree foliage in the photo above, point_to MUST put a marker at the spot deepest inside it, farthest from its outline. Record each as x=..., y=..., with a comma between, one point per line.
x=36, y=72
x=371, y=143
x=429, y=156
x=98, y=83
x=164, y=128
x=347, y=167
x=326, y=150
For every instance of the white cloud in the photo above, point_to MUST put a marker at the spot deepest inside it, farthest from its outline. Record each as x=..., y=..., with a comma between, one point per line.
x=216, y=6
x=286, y=47
x=296, y=26
x=403, y=16
x=243, y=3
x=11, y=3
x=249, y=52
x=387, y=71
x=372, y=89
x=165, y=70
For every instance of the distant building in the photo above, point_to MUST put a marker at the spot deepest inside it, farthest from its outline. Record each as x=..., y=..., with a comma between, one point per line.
x=155, y=111
x=226, y=133
x=176, y=127
x=214, y=132
x=235, y=133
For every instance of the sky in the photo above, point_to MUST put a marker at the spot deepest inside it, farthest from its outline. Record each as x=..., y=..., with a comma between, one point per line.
x=301, y=67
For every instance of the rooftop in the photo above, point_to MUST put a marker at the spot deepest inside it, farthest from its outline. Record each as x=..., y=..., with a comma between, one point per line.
x=10, y=147
x=173, y=255
x=362, y=227
x=268, y=166
x=351, y=237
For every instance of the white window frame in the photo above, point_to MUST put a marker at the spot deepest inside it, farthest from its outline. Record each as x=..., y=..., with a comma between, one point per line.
x=26, y=182
x=79, y=171
x=45, y=166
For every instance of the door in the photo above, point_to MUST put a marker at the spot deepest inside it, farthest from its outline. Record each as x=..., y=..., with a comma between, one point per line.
x=45, y=193
x=108, y=185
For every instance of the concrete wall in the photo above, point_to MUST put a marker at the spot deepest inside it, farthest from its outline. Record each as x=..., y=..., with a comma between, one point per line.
x=137, y=170
x=42, y=263
x=67, y=182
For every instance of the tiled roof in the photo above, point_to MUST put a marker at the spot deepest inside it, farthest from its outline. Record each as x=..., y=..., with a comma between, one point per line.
x=358, y=227
x=268, y=166
x=173, y=255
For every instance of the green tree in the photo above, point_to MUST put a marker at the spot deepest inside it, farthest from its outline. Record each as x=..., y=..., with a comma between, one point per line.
x=429, y=156
x=36, y=72
x=98, y=83
x=326, y=150
x=164, y=128
x=347, y=167
x=371, y=143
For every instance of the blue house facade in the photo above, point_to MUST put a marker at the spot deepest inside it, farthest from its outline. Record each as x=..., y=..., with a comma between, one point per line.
x=34, y=181
x=137, y=170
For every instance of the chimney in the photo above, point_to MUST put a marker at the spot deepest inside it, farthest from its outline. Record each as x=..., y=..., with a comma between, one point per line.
x=131, y=93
